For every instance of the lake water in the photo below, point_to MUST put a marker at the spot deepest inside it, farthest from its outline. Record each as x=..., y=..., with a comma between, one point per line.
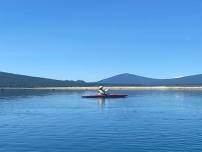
x=146, y=121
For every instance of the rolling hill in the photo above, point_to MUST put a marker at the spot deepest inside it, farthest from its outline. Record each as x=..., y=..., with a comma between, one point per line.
x=130, y=79
x=9, y=80
x=16, y=80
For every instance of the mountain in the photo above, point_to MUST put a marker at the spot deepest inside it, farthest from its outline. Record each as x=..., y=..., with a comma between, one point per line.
x=130, y=79
x=16, y=80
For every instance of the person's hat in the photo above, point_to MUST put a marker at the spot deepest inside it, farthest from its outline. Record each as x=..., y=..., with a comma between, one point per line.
x=100, y=87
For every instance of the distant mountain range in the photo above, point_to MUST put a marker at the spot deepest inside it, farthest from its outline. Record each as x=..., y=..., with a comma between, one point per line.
x=21, y=81
x=130, y=79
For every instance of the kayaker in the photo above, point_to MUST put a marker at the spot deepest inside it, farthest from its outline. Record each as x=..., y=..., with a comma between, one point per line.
x=102, y=91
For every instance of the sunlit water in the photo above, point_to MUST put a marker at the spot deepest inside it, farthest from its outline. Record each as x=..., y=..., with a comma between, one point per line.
x=146, y=121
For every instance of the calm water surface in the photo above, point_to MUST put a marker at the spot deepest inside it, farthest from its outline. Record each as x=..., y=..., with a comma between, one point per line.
x=146, y=121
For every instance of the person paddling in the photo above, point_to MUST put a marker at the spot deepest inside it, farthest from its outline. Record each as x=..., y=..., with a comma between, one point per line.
x=102, y=91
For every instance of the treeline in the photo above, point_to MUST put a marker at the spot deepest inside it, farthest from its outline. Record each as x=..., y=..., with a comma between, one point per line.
x=21, y=81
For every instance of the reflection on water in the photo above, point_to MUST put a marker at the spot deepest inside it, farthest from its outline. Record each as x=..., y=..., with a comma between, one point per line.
x=101, y=102
x=60, y=121
x=15, y=93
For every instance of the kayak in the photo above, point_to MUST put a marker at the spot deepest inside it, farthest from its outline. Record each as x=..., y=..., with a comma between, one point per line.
x=106, y=96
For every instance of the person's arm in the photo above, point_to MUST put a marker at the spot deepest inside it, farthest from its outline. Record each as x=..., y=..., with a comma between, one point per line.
x=106, y=90
x=101, y=91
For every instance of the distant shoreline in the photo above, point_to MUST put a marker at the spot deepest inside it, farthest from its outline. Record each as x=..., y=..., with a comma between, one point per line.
x=114, y=88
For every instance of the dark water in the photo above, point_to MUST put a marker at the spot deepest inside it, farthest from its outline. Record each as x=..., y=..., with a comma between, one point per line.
x=147, y=121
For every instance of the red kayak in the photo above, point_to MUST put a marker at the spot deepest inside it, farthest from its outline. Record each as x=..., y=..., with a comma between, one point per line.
x=106, y=96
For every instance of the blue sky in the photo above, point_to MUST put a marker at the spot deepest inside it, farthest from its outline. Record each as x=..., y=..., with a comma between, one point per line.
x=95, y=39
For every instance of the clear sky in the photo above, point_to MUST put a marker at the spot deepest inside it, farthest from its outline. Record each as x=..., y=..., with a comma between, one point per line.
x=95, y=39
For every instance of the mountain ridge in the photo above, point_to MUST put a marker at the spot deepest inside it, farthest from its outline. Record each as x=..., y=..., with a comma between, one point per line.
x=9, y=80
x=17, y=80
x=131, y=79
